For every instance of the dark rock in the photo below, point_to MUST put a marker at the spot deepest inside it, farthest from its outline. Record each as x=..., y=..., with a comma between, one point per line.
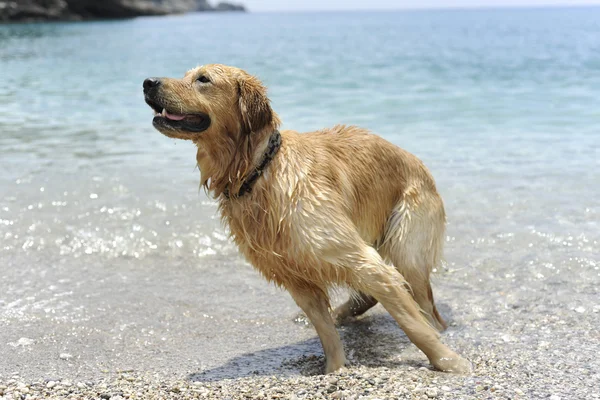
x=230, y=7
x=202, y=5
x=33, y=10
x=89, y=9
x=53, y=10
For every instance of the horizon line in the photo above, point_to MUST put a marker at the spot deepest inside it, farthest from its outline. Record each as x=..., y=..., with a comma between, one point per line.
x=435, y=8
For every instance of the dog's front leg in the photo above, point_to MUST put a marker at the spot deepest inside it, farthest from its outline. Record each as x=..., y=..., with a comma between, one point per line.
x=315, y=304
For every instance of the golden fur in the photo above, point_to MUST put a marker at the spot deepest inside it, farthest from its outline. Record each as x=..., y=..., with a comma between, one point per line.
x=338, y=206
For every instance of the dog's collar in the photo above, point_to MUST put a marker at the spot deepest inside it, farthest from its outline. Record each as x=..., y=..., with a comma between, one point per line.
x=272, y=149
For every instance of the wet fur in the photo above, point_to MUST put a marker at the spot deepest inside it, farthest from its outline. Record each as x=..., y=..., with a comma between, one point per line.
x=338, y=206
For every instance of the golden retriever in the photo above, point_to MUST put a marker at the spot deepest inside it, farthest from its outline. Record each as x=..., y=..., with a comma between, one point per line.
x=335, y=207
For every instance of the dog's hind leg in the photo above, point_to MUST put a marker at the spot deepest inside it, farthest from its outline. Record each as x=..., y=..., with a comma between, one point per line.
x=356, y=305
x=421, y=290
x=423, y=295
x=315, y=304
x=413, y=241
x=368, y=273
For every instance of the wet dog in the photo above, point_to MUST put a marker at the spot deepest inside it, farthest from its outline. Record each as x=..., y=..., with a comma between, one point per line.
x=335, y=207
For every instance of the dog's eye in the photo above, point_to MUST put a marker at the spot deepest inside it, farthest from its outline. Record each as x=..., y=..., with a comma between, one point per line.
x=203, y=79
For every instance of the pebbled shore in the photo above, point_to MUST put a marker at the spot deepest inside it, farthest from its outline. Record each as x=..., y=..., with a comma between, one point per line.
x=539, y=356
x=358, y=382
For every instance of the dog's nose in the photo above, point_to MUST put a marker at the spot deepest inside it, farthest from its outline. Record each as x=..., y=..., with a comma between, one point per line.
x=151, y=83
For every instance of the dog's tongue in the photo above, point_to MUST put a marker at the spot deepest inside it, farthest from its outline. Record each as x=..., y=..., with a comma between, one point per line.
x=174, y=116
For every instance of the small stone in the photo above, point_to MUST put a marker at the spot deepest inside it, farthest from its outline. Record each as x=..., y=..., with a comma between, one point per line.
x=21, y=387
x=81, y=385
x=580, y=309
x=105, y=396
x=554, y=397
x=431, y=393
x=22, y=342
x=507, y=338
x=418, y=389
x=65, y=356
x=446, y=388
x=50, y=384
x=519, y=392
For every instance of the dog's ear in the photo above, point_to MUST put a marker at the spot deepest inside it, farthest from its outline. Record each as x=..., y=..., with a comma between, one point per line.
x=255, y=110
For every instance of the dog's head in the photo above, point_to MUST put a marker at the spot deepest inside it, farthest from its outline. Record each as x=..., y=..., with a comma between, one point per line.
x=222, y=109
x=209, y=100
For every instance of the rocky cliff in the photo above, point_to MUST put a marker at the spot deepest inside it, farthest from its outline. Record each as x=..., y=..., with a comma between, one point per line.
x=53, y=10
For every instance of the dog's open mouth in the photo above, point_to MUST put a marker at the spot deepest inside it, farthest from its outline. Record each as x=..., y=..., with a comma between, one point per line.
x=163, y=118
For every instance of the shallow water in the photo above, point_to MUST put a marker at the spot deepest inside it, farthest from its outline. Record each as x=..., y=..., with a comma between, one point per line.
x=109, y=247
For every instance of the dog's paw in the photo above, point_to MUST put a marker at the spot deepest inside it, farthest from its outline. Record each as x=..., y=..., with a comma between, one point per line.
x=453, y=363
x=341, y=316
x=335, y=365
x=340, y=320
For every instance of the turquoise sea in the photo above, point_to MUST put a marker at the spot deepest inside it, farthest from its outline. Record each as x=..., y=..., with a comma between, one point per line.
x=502, y=105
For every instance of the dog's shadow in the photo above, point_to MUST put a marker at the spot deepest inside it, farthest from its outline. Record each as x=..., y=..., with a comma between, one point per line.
x=374, y=340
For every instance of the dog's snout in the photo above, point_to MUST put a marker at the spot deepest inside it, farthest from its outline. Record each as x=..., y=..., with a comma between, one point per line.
x=151, y=83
